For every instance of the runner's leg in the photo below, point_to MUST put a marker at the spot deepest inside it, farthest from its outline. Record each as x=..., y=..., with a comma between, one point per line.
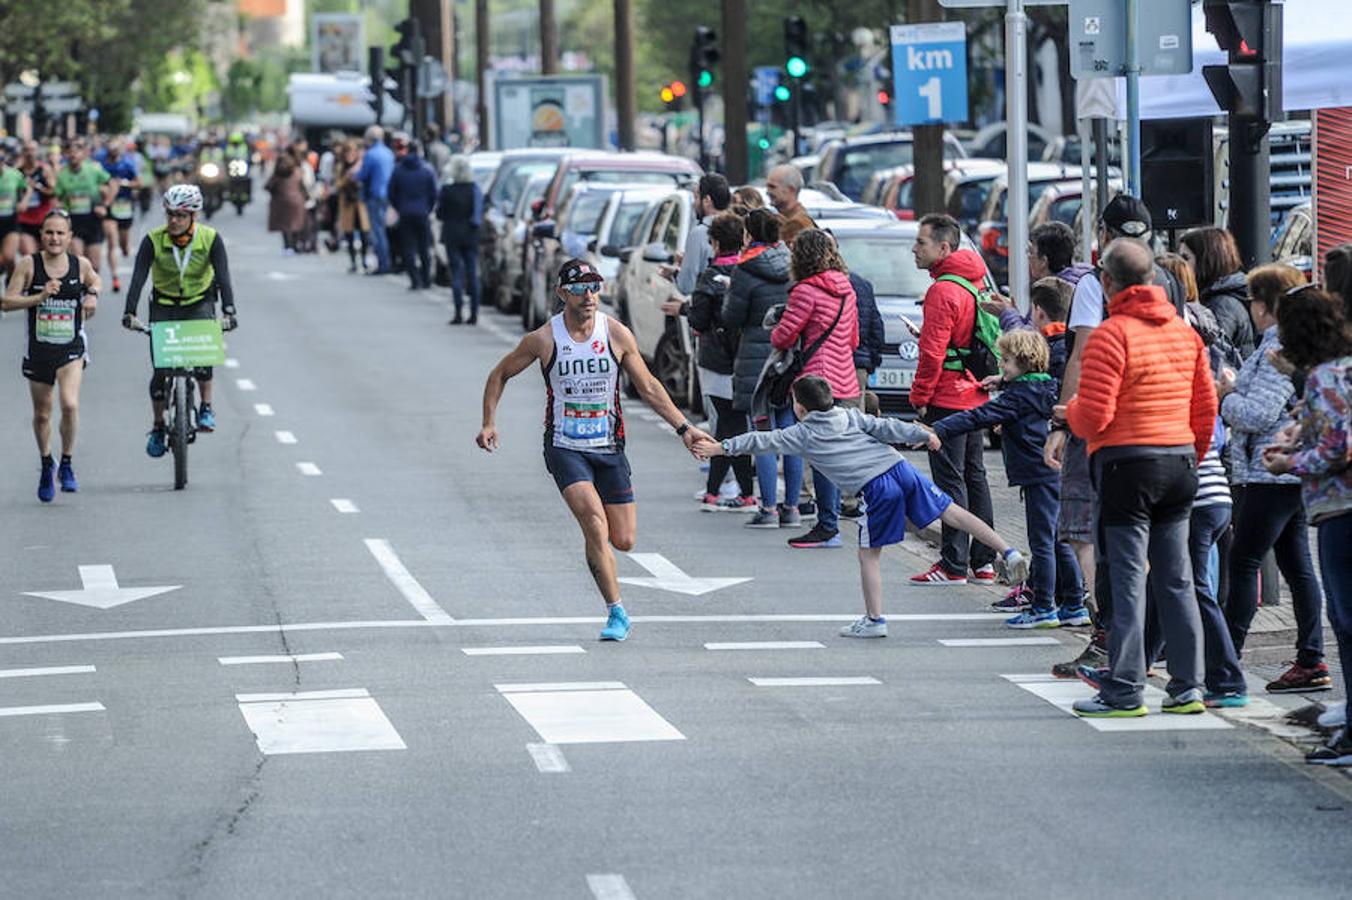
x=68, y=378
x=42, y=415
x=585, y=504
x=110, y=238
x=622, y=519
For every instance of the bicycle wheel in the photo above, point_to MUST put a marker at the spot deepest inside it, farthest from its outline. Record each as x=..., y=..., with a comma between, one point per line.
x=178, y=434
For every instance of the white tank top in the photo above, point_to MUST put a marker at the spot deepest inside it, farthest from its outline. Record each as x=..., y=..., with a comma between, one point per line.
x=583, y=377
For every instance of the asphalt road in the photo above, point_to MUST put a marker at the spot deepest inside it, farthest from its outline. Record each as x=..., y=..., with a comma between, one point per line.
x=304, y=715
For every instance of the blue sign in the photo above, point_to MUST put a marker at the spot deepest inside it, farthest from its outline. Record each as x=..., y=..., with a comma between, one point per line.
x=929, y=73
x=766, y=80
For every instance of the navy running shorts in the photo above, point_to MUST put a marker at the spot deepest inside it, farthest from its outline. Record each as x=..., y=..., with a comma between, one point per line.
x=608, y=472
x=898, y=494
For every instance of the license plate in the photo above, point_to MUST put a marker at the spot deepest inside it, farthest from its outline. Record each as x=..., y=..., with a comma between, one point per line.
x=891, y=378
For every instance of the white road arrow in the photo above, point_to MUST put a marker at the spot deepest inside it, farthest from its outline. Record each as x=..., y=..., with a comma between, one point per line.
x=667, y=577
x=101, y=591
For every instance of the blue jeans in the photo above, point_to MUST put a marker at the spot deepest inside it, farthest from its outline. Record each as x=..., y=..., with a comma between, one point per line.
x=415, y=244
x=1055, y=572
x=464, y=260
x=767, y=468
x=375, y=210
x=1335, y=564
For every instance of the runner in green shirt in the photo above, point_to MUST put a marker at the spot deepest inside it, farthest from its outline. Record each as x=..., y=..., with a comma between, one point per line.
x=13, y=195
x=80, y=189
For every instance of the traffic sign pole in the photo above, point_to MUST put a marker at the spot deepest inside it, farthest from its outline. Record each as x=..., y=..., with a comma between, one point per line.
x=1133, y=103
x=1016, y=131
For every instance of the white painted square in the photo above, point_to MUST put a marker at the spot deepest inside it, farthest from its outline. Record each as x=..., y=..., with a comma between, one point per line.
x=263, y=409
x=344, y=506
x=1062, y=692
x=232, y=363
x=320, y=722
x=245, y=384
x=284, y=437
x=308, y=468
x=589, y=716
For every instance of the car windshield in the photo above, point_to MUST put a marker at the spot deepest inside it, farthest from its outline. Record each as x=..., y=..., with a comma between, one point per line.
x=1035, y=189
x=1065, y=209
x=513, y=178
x=886, y=263
x=585, y=215
x=534, y=190
x=620, y=176
x=969, y=198
x=861, y=162
x=627, y=218
x=483, y=175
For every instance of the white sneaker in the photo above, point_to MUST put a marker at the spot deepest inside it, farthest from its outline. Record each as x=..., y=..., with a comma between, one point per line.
x=864, y=627
x=1333, y=717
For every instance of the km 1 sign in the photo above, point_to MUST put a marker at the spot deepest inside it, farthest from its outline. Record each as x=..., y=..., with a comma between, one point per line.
x=929, y=73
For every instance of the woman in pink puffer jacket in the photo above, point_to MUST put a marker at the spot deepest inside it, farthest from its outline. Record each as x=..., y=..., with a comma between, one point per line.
x=822, y=290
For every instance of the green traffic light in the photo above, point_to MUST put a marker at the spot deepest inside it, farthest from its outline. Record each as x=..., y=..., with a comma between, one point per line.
x=763, y=143
x=796, y=67
x=781, y=93
x=705, y=79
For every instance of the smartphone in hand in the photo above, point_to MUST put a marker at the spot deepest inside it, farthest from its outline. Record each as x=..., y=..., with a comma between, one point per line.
x=913, y=328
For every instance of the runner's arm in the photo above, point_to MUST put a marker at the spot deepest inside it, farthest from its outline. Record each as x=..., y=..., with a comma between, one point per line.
x=221, y=264
x=145, y=255
x=93, y=284
x=514, y=363
x=649, y=388
x=16, y=291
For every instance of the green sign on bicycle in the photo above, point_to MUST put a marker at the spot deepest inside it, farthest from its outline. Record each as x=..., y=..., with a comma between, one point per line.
x=187, y=344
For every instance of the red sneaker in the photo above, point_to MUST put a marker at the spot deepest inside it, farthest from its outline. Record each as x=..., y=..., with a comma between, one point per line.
x=938, y=575
x=984, y=575
x=1300, y=678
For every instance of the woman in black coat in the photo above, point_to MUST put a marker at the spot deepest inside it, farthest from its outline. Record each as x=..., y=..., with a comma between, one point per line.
x=759, y=285
x=460, y=206
x=1221, y=284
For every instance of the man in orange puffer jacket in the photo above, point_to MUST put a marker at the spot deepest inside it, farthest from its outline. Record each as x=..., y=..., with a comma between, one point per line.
x=1146, y=406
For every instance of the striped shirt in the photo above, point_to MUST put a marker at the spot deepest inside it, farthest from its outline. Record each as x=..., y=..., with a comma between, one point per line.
x=1213, y=488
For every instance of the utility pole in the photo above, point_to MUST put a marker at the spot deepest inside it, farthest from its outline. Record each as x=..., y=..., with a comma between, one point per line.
x=626, y=96
x=482, y=50
x=448, y=60
x=549, y=39
x=928, y=154
x=735, y=160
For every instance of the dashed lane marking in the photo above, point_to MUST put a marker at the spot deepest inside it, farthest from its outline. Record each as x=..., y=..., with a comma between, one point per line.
x=535, y=650
x=245, y=384
x=344, y=506
x=48, y=670
x=263, y=409
x=1001, y=642
x=766, y=645
x=406, y=584
x=548, y=758
x=232, y=363
x=308, y=468
x=50, y=709
x=609, y=887
x=284, y=437
x=294, y=658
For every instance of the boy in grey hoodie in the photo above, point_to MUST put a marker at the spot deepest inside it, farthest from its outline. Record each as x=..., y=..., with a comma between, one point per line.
x=854, y=451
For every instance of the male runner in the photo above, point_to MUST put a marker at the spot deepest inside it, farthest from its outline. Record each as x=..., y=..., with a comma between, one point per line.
x=581, y=353
x=80, y=188
x=60, y=291
x=187, y=267
x=13, y=195
x=124, y=183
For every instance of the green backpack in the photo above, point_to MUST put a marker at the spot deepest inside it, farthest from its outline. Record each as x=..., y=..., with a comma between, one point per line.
x=980, y=357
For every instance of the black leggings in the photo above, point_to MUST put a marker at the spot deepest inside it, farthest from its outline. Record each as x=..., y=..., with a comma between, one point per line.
x=728, y=424
x=352, y=250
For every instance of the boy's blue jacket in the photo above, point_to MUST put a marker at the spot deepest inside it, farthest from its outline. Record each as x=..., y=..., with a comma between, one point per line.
x=1022, y=410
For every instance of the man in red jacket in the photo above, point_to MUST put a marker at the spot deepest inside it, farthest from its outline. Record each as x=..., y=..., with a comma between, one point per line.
x=943, y=387
x=1146, y=406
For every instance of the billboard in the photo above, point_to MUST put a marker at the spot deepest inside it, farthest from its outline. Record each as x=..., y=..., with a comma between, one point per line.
x=338, y=43
x=564, y=111
x=1332, y=181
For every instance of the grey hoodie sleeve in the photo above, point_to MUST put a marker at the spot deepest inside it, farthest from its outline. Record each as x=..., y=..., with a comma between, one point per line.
x=890, y=431
x=1263, y=404
x=792, y=441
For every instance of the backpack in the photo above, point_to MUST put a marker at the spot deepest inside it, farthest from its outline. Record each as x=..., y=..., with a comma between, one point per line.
x=980, y=357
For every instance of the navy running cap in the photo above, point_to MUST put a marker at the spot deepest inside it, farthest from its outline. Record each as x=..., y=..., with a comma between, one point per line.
x=576, y=271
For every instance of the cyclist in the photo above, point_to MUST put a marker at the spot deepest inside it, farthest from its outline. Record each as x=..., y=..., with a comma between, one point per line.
x=581, y=352
x=59, y=290
x=187, y=266
x=82, y=189
x=125, y=182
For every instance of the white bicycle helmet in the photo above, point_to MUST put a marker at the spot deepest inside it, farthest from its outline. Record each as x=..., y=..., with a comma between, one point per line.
x=183, y=196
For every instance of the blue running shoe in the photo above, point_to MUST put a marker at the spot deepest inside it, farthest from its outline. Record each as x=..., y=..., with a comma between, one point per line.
x=1092, y=676
x=1226, y=700
x=1033, y=618
x=47, y=483
x=1074, y=615
x=206, y=418
x=66, y=475
x=617, y=625
x=158, y=444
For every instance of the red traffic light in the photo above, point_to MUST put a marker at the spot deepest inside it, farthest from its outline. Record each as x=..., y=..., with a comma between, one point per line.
x=884, y=97
x=678, y=88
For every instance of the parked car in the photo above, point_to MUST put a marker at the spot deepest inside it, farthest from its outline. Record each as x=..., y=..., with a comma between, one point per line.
x=514, y=171
x=991, y=142
x=1060, y=202
x=509, y=286
x=967, y=187
x=617, y=232
x=993, y=231
x=878, y=182
x=823, y=205
x=881, y=253
x=807, y=165
x=848, y=163
x=483, y=165
x=569, y=236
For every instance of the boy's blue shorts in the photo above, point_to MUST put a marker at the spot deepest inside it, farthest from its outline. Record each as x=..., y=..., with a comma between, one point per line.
x=898, y=494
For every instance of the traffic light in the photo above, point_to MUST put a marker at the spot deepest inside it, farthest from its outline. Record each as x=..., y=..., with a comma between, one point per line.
x=795, y=46
x=782, y=93
x=409, y=48
x=704, y=56
x=883, y=76
x=1249, y=85
x=673, y=95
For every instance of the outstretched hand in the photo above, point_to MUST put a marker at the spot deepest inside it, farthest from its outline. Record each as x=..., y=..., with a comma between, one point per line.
x=706, y=447
x=487, y=438
x=692, y=438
